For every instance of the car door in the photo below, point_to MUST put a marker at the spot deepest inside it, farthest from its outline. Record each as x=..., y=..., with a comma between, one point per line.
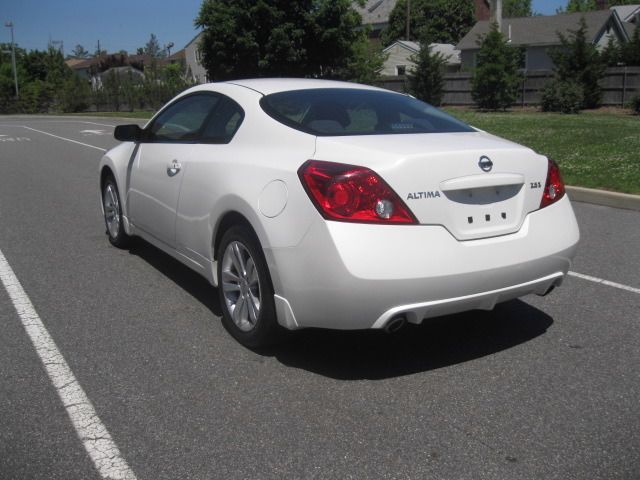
x=158, y=169
x=211, y=165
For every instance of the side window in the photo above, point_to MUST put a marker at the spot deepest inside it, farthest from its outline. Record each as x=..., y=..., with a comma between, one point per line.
x=224, y=122
x=183, y=120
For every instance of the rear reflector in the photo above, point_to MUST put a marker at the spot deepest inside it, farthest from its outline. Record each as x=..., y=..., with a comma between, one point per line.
x=350, y=193
x=554, y=187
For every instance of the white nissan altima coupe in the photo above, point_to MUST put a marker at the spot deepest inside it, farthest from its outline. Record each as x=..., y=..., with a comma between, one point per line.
x=313, y=203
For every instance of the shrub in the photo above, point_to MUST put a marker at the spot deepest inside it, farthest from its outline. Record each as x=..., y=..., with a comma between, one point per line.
x=75, y=95
x=564, y=96
x=577, y=60
x=635, y=104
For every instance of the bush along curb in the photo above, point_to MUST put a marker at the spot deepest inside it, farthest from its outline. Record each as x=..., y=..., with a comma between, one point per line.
x=603, y=197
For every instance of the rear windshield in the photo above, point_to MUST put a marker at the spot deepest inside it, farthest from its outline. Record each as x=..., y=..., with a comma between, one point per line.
x=345, y=111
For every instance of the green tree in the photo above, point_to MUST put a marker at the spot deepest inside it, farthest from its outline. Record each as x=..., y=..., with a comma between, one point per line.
x=574, y=6
x=79, y=52
x=630, y=51
x=444, y=21
x=611, y=55
x=75, y=95
x=426, y=81
x=47, y=72
x=152, y=47
x=112, y=87
x=516, y=8
x=578, y=60
x=365, y=63
x=131, y=87
x=247, y=38
x=495, y=81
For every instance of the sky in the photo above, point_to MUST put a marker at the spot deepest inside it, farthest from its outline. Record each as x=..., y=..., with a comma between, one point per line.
x=117, y=24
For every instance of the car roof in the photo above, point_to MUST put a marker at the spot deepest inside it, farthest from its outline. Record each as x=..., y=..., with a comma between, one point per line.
x=267, y=86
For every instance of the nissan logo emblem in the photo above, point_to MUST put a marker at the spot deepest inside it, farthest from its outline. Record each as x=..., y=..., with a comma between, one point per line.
x=485, y=164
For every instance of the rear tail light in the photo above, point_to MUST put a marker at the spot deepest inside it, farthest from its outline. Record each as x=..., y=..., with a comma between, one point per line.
x=352, y=194
x=554, y=188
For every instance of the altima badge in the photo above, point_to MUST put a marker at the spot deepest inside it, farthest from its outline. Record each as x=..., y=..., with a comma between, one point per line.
x=485, y=163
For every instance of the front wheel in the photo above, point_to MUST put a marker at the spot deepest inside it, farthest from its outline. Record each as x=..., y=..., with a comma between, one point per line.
x=113, y=214
x=245, y=290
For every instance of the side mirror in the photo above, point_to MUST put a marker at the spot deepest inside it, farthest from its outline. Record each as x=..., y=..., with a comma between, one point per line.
x=128, y=133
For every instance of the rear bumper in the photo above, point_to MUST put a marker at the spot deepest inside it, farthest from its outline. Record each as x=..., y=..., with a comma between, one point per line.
x=417, y=312
x=354, y=276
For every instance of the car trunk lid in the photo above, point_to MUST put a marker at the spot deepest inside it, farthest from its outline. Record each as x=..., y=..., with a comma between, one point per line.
x=474, y=184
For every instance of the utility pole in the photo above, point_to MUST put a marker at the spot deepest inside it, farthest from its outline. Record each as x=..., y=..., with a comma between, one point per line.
x=408, y=31
x=496, y=13
x=13, y=58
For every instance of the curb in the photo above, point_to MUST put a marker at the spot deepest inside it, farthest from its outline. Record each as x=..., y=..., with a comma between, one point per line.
x=603, y=197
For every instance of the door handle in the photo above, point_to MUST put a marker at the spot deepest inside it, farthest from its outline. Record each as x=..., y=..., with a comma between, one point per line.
x=173, y=168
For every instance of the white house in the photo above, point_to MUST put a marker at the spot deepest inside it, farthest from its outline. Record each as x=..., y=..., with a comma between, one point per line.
x=399, y=55
x=193, y=60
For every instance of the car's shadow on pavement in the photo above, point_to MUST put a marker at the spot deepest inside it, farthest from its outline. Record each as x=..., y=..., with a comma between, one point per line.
x=375, y=355
x=191, y=282
x=437, y=343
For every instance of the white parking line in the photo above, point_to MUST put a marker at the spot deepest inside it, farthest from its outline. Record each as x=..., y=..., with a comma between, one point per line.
x=67, y=139
x=45, y=121
x=101, y=124
x=605, y=282
x=94, y=435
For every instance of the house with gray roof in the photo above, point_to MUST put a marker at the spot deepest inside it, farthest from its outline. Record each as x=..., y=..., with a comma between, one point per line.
x=539, y=34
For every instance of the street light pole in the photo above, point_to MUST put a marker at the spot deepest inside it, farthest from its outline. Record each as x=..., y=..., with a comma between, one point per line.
x=13, y=58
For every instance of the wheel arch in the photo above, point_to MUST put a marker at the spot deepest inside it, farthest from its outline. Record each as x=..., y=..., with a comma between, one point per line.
x=226, y=221
x=105, y=171
x=108, y=168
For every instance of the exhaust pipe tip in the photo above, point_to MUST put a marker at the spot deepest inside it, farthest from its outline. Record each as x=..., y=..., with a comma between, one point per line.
x=395, y=324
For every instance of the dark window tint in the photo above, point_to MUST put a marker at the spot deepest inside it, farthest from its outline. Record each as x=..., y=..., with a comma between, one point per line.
x=344, y=111
x=183, y=120
x=223, y=123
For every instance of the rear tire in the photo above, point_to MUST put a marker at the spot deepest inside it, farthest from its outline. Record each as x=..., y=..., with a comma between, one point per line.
x=245, y=290
x=112, y=208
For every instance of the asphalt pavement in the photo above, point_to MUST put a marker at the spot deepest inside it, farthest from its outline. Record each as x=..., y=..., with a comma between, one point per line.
x=538, y=388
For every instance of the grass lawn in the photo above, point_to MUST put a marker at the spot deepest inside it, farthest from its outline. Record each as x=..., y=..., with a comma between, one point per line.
x=595, y=149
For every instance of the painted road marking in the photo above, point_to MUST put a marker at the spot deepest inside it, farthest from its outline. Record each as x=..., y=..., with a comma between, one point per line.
x=67, y=139
x=94, y=132
x=605, y=282
x=6, y=138
x=38, y=120
x=101, y=124
x=94, y=435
